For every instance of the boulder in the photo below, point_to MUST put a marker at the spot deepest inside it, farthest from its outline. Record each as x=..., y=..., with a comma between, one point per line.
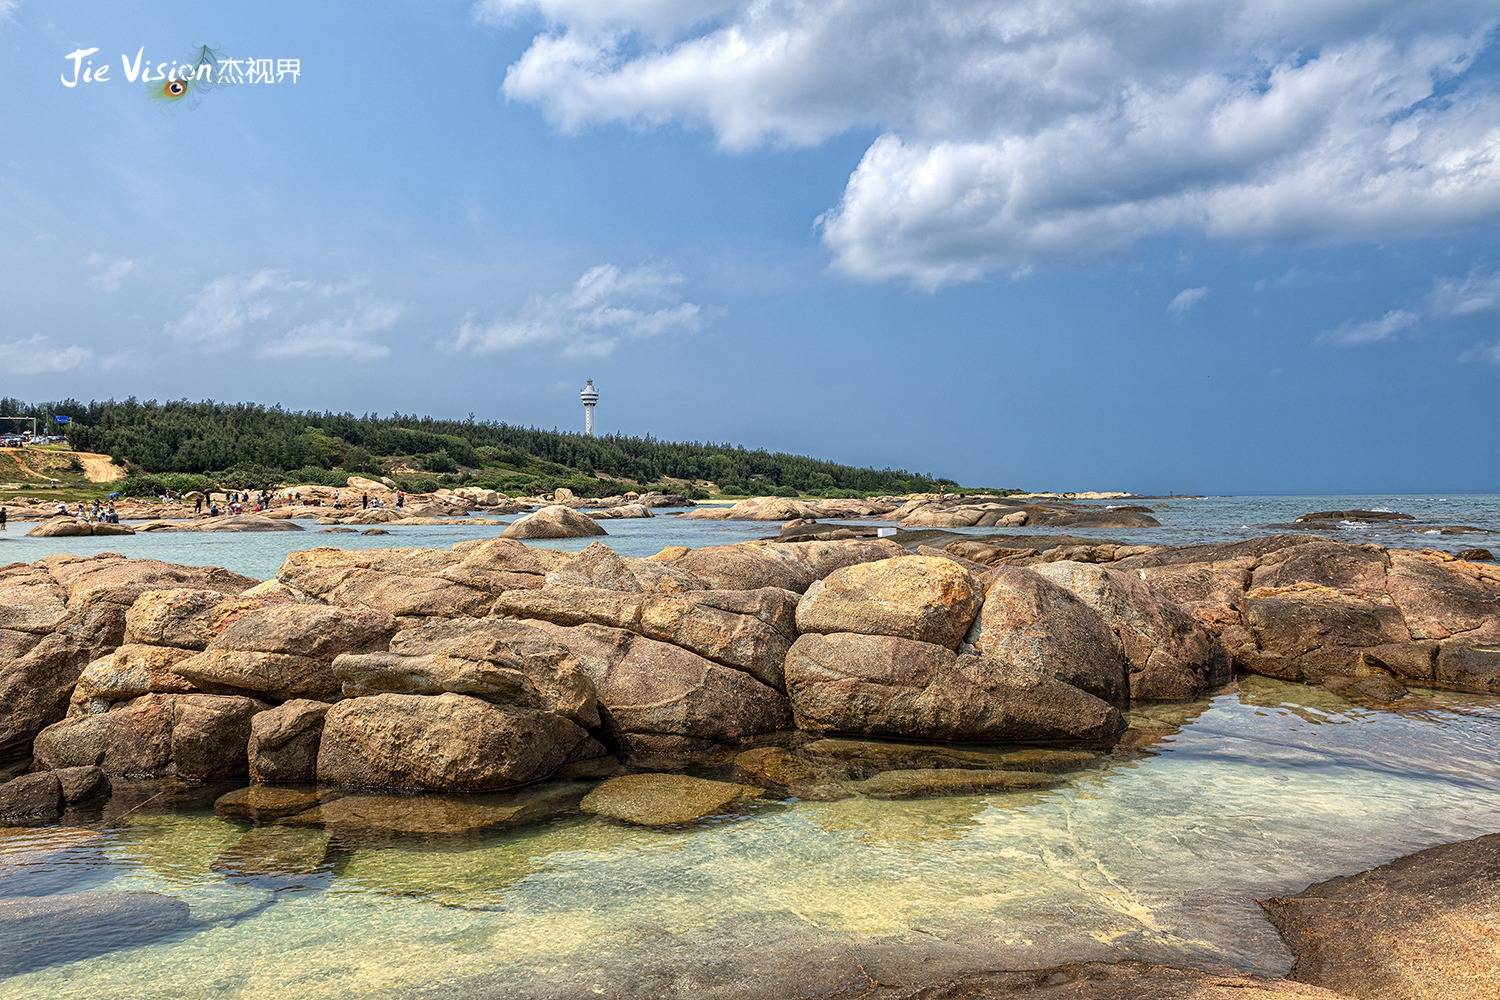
x=80, y=784
x=400, y=582
x=283, y=744
x=494, y=659
x=751, y=565
x=185, y=617
x=276, y=676
x=910, y=597
x=1424, y=926
x=556, y=521
x=1171, y=657
x=307, y=630
x=1031, y=623
x=35, y=688
x=601, y=567
x=746, y=630
x=664, y=799
x=62, y=527
x=894, y=687
x=127, y=673
x=381, y=817
x=31, y=798
x=264, y=803
x=197, y=737
x=659, y=696
x=624, y=510
x=447, y=742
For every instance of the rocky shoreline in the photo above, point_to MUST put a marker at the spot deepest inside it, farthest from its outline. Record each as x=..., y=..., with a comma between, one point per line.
x=519, y=683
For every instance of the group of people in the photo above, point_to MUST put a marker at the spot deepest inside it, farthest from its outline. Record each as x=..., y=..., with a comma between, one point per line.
x=99, y=513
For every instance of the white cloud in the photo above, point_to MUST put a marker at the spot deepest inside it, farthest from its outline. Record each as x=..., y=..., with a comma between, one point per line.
x=1387, y=327
x=1488, y=353
x=110, y=272
x=271, y=314
x=1477, y=292
x=38, y=356
x=1183, y=302
x=606, y=304
x=1016, y=132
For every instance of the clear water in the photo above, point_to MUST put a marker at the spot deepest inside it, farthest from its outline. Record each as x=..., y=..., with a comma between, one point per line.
x=1263, y=790
x=1184, y=522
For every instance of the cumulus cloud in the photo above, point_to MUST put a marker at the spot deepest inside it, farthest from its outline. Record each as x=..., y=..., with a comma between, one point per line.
x=606, y=304
x=39, y=356
x=109, y=273
x=1387, y=327
x=1017, y=132
x=1183, y=302
x=271, y=314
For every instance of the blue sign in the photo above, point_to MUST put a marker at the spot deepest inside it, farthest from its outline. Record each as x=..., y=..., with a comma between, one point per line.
x=62, y=419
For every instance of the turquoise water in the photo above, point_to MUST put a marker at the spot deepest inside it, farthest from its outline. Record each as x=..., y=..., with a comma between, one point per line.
x=1184, y=522
x=1261, y=791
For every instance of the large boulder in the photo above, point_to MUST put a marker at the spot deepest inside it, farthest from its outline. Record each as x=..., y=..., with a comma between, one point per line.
x=31, y=798
x=447, y=742
x=658, y=696
x=601, y=567
x=894, y=687
x=555, y=521
x=66, y=527
x=401, y=582
x=747, y=630
x=1171, y=656
x=197, y=737
x=750, y=565
x=911, y=597
x=129, y=672
x=494, y=659
x=283, y=744
x=185, y=617
x=1424, y=926
x=1030, y=622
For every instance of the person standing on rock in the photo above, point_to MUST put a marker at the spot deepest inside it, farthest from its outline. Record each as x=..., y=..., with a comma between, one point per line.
x=364, y=501
x=2, y=518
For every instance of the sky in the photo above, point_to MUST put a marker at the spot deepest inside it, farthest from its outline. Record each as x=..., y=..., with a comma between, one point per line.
x=1230, y=246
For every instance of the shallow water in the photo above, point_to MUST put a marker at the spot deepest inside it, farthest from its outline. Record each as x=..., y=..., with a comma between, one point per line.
x=1183, y=522
x=1263, y=790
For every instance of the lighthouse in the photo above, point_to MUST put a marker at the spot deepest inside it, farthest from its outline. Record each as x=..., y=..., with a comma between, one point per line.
x=590, y=396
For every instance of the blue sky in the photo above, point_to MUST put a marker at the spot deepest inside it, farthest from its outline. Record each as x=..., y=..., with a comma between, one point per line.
x=1212, y=247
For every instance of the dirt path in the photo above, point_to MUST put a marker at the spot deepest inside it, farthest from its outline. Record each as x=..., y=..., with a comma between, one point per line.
x=99, y=468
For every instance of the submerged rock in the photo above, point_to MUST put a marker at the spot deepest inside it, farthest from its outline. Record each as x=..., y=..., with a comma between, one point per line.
x=263, y=803
x=1424, y=926
x=664, y=799
x=928, y=782
x=36, y=932
x=362, y=816
x=274, y=851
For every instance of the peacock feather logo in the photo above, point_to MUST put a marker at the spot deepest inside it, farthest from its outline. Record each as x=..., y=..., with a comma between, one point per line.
x=187, y=80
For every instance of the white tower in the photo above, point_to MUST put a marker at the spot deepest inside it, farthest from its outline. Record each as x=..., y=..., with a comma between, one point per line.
x=590, y=396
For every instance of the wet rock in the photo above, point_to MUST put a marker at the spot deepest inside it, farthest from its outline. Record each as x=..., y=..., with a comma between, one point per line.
x=275, y=852
x=1475, y=554
x=79, y=784
x=263, y=803
x=556, y=521
x=363, y=817
x=775, y=767
x=54, y=930
x=1030, y=622
x=867, y=757
x=1171, y=657
x=283, y=744
x=664, y=799
x=1108, y=981
x=31, y=798
x=1361, y=516
x=887, y=686
x=448, y=742
x=1461, y=667
x=495, y=659
x=1424, y=926
x=1375, y=689
x=198, y=737
x=929, y=782
x=912, y=597
x=659, y=696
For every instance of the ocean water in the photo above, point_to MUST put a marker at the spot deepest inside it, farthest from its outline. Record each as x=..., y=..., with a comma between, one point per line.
x=1260, y=791
x=1183, y=522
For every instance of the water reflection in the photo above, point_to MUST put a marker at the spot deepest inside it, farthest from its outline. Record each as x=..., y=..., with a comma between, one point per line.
x=1156, y=853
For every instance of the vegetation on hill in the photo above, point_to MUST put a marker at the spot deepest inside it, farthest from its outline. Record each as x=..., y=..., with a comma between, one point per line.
x=185, y=445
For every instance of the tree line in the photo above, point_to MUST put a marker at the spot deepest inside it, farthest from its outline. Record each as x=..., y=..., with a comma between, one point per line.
x=209, y=438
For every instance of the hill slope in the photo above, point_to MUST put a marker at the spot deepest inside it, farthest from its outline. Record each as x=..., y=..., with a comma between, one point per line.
x=249, y=444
